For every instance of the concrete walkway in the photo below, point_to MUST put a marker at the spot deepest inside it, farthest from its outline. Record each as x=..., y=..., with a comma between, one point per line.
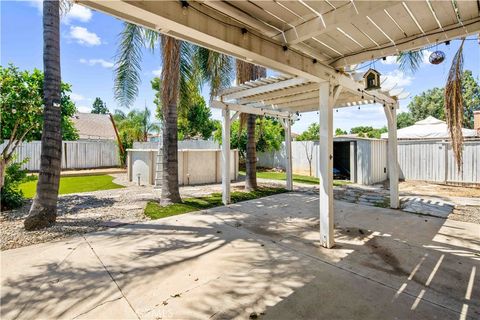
x=255, y=259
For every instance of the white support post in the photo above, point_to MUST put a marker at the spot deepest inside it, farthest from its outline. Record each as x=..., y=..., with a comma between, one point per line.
x=326, y=164
x=288, y=150
x=226, y=157
x=393, y=170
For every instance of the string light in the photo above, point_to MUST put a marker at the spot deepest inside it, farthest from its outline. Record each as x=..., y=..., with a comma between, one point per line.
x=184, y=7
x=244, y=33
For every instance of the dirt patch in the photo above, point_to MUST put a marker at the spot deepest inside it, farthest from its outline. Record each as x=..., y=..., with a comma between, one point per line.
x=424, y=188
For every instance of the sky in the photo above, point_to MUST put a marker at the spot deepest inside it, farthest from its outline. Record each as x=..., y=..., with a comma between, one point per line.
x=88, y=47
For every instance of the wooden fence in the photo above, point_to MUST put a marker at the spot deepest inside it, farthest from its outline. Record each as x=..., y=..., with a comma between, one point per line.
x=82, y=154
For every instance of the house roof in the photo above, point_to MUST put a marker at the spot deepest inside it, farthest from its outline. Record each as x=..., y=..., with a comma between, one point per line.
x=93, y=126
x=371, y=71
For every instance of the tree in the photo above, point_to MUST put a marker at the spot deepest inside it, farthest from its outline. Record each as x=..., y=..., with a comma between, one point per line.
x=179, y=72
x=311, y=134
x=43, y=211
x=339, y=132
x=99, y=107
x=432, y=102
x=269, y=135
x=368, y=131
x=194, y=119
x=136, y=124
x=404, y=119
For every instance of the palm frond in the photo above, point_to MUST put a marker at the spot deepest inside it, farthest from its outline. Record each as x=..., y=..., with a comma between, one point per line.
x=454, y=105
x=410, y=60
x=65, y=6
x=217, y=69
x=127, y=64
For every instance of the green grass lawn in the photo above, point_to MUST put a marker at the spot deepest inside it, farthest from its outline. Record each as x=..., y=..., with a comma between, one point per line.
x=296, y=178
x=74, y=184
x=156, y=211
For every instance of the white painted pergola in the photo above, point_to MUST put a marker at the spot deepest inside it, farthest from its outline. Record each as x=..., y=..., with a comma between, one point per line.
x=283, y=97
x=314, y=41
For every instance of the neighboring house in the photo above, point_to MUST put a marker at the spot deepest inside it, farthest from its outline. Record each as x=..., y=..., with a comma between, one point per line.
x=93, y=126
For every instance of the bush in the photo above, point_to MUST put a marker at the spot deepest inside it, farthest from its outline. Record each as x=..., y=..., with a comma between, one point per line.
x=11, y=195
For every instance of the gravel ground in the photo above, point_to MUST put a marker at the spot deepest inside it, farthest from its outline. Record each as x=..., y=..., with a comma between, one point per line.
x=93, y=211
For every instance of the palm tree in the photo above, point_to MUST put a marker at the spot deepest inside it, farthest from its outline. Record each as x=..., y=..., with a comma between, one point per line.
x=183, y=64
x=137, y=125
x=43, y=211
x=246, y=72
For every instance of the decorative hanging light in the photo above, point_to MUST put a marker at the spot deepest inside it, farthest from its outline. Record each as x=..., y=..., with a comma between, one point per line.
x=436, y=57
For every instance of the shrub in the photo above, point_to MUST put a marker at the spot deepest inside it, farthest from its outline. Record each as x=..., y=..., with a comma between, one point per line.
x=11, y=195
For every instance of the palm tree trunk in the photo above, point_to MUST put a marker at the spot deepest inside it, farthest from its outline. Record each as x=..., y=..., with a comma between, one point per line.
x=251, y=156
x=43, y=212
x=247, y=72
x=170, y=83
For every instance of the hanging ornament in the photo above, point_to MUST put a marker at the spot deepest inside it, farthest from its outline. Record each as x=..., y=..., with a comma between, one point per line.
x=436, y=57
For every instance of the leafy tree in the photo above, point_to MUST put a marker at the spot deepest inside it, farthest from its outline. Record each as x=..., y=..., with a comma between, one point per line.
x=99, y=107
x=339, y=132
x=194, y=119
x=311, y=134
x=269, y=135
x=368, y=131
x=432, y=102
x=404, y=119
x=21, y=106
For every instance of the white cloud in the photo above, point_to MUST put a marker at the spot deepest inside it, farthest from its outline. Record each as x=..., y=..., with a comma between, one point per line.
x=396, y=79
x=157, y=73
x=85, y=109
x=82, y=36
x=390, y=60
x=77, y=97
x=426, y=56
x=78, y=13
x=37, y=4
x=101, y=62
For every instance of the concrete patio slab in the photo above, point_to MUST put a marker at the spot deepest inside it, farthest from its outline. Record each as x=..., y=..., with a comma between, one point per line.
x=259, y=258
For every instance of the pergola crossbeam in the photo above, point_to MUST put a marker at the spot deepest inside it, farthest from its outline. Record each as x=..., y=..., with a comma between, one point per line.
x=251, y=110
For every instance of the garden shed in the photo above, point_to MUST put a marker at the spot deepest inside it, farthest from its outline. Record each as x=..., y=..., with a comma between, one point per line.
x=359, y=160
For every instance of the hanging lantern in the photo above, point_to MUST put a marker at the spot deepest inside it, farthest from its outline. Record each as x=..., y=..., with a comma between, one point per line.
x=372, y=79
x=436, y=57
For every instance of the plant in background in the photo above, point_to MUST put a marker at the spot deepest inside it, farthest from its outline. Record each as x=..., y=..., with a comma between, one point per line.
x=99, y=107
x=269, y=136
x=11, y=196
x=21, y=106
x=339, y=132
x=311, y=134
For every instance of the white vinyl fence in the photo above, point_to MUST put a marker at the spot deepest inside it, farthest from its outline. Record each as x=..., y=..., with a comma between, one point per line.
x=434, y=161
x=75, y=154
x=182, y=144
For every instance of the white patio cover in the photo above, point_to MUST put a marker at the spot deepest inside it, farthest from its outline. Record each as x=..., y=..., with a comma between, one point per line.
x=428, y=128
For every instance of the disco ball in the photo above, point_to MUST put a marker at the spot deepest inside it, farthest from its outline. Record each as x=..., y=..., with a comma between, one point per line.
x=436, y=57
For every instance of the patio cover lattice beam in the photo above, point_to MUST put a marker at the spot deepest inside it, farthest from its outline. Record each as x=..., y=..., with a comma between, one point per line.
x=206, y=27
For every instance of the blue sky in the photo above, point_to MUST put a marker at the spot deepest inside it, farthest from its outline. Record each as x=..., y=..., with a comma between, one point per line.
x=88, y=46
